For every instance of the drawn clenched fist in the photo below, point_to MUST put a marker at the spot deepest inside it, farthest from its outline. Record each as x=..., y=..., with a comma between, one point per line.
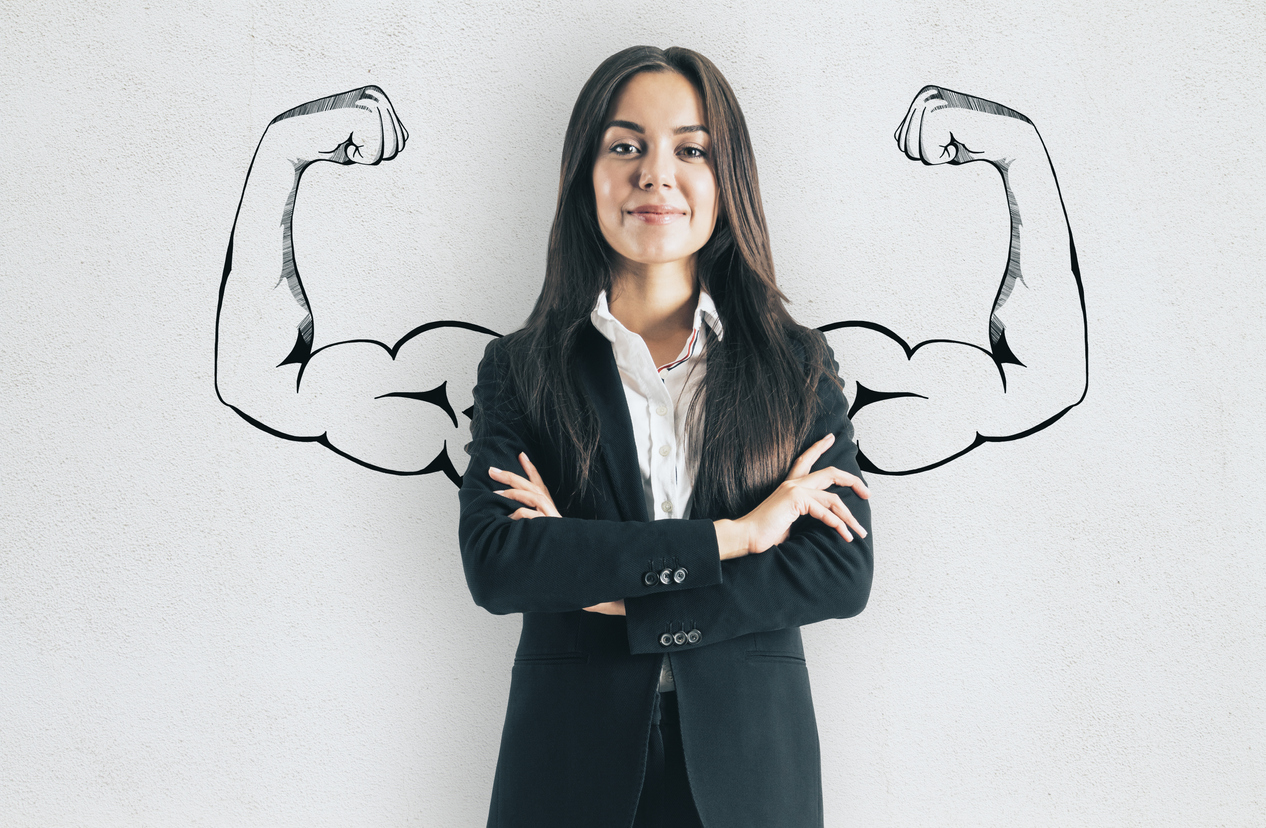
x=359, y=126
x=947, y=127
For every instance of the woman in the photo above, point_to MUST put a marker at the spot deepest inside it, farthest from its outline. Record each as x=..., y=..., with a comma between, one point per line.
x=641, y=484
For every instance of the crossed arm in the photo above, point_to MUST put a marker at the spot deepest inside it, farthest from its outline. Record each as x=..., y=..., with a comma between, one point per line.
x=519, y=563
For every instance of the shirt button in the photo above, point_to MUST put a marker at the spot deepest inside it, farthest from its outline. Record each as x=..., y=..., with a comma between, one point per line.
x=663, y=451
x=667, y=507
x=680, y=575
x=662, y=410
x=679, y=638
x=665, y=640
x=665, y=576
x=693, y=636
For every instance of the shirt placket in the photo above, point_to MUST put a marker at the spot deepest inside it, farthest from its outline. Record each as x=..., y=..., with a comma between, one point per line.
x=663, y=449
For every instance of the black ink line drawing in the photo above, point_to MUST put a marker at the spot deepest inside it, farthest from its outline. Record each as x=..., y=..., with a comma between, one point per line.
x=914, y=407
x=911, y=408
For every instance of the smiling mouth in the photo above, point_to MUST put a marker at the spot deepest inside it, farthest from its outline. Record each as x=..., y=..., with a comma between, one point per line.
x=657, y=214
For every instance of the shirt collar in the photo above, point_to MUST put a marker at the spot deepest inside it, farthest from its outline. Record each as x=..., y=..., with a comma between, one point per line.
x=608, y=325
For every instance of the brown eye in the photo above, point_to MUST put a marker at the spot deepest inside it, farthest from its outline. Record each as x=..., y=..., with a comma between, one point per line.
x=693, y=152
x=623, y=148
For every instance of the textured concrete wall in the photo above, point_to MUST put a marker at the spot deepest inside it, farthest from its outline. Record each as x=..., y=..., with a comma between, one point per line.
x=204, y=624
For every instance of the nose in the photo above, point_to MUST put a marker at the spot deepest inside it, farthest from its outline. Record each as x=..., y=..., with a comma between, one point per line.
x=656, y=170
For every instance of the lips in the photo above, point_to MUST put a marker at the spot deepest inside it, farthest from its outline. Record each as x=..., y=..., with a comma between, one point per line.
x=657, y=213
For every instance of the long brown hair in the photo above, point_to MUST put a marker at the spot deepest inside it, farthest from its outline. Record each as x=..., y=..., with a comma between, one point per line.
x=758, y=396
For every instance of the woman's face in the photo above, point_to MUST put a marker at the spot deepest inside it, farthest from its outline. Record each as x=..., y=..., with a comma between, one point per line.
x=653, y=179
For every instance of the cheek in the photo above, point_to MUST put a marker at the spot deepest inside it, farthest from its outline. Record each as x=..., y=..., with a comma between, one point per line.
x=605, y=197
x=707, y=199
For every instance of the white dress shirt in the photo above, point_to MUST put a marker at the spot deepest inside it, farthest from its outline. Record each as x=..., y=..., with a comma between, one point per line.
x=659, y=398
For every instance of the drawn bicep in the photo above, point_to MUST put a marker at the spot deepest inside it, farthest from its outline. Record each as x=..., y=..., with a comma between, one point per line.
x=912, y=408
x=404, y=412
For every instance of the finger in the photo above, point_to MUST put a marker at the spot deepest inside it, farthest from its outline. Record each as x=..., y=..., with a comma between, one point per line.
x=931, y=148
x=539, y=484
x=831, y=476
x=525, y=514
x=511, y=479
x=823, y=513
x=905, y=128
x=913, y=133
x=804, y=463
x=915, y=105
x=388, y=133
x=608, y=607
x=532, y=473
x=900, y=134
x=395, y=127
x=537, y=501
x=833, y=502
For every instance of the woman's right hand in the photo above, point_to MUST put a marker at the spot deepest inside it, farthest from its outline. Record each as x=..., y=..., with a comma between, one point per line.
x=801, y=493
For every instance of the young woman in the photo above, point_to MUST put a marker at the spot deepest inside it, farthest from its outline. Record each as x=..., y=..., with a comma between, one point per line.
x=662, y=480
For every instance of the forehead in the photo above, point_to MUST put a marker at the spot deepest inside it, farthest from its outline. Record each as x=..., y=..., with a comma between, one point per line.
x=658, y=99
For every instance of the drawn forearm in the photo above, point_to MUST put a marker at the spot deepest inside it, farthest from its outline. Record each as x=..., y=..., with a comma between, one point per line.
x=1037, y=326
x=265, y=322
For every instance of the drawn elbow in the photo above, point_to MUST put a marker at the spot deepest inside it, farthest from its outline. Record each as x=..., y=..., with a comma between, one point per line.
x=229, y=388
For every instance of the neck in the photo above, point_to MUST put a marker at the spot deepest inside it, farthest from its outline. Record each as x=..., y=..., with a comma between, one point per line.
x=655, y=300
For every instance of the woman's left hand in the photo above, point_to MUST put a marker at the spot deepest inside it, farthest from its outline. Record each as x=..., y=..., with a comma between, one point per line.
x=537, y=502
x=529, y=491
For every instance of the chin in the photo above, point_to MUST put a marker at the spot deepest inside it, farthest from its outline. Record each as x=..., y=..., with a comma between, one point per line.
x=659, y=253
x=659, y=257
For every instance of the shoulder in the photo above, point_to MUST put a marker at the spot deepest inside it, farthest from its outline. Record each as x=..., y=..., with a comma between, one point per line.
x=815, y=355
x=500, y=352
x=821, y=371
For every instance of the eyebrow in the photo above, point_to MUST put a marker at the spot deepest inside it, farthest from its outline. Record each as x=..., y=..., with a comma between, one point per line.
x=681, y=130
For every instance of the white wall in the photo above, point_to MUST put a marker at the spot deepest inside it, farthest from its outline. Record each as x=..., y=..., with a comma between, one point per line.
x=204, y=624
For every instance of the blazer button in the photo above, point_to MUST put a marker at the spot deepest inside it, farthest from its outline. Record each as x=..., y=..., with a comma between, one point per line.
x=693, y=636
x=650, y=578
x=665, y=576
x=679, y=638
x=665, y=639
x=680, y=575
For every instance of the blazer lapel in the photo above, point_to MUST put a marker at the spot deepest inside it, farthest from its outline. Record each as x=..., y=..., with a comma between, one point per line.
x=601, y=379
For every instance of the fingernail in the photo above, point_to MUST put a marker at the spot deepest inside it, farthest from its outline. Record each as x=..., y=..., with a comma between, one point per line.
x=494, y=470
x=861, y=532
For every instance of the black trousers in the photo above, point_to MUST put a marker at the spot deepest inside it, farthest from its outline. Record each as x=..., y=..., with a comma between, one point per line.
x=666, y=801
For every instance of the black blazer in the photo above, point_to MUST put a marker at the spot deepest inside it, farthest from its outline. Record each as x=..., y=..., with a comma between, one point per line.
x=574, y=744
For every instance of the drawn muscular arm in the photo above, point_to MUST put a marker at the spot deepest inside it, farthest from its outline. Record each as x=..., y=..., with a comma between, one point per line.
x=387, y=407
x=916, y=407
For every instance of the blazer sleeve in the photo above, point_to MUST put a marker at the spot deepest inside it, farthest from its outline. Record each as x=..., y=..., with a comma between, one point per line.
x=814, y=575
x=555, y=564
